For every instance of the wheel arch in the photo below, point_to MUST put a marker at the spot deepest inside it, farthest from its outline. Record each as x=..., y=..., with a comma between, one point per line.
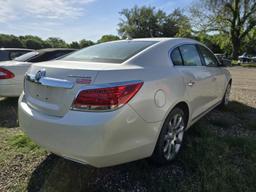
x=184, y=106
x=230, y=81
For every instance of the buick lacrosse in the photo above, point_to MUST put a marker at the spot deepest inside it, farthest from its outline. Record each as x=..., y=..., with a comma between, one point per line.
x=122, y=101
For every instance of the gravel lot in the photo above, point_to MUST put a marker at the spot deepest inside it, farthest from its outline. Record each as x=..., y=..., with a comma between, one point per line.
x=219, y=154
x=244, y=85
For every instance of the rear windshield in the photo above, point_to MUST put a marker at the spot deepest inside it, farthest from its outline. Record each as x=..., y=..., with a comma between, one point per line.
x=26, y=56
x=111, y=52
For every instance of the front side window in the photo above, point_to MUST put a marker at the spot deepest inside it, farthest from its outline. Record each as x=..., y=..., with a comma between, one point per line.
x=209, y=59
x=190, y=55
x=176, y=57
x=111, y=52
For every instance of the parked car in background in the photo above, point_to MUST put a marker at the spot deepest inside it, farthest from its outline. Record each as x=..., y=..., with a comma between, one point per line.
x=223, y=59
x=254, y=59
x=121, y=101
x=12, y=72
x=245, y=58
x=7, y=54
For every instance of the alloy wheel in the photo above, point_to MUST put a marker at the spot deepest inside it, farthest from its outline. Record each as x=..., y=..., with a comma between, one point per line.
x=174, y=136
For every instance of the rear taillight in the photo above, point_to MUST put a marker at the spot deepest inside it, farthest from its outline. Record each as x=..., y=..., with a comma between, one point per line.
x=5, y=74
x=106, y=98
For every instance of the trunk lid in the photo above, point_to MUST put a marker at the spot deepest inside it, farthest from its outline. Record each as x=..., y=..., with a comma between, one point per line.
x=54, y=98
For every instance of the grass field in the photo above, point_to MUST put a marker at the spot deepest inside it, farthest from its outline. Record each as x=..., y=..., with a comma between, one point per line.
x=219, y=154
x=248, y=65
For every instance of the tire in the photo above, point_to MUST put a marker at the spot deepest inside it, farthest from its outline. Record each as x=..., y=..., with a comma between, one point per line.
x=225, y=99
x=170, y=138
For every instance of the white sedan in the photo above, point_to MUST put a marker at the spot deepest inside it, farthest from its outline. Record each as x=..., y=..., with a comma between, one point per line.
x=121, y=101
x=12, y=72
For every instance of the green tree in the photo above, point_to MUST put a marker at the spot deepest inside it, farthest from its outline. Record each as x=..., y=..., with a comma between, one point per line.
x=10, y=41
x=85, y=43
x=141, y=22
x=178, y=24
x=46, y=44
x=32, y=42
x=74, y=45
x=148, y=22
x=235, y=18
x=56, y=42
x=106, y=38
x=216, y=42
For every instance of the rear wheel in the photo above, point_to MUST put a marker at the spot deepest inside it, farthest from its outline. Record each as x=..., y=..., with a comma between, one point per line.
x=170, y=138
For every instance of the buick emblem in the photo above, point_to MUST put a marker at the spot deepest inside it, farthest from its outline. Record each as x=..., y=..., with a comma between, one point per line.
x=41, y=73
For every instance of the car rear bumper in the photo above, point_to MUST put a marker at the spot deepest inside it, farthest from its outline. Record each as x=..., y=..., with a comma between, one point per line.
x=99, y=139
x=10, y=90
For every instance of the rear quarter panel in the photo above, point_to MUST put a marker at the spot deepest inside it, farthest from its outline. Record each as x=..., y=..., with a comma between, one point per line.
x=167, y=80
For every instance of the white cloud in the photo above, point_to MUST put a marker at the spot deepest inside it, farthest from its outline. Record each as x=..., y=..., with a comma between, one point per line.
x=6, y=11
x=48, y=9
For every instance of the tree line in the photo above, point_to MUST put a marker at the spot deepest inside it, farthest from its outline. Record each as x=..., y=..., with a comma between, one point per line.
x=225, y=26
x=35, y=42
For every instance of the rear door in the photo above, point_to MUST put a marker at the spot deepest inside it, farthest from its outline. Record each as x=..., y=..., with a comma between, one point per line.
x=197, y=78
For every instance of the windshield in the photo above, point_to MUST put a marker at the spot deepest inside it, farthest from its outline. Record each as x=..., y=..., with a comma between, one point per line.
x=26, y=56
x=111, y=52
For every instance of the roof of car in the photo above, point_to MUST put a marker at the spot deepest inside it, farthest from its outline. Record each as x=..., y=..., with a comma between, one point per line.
x=152, y=39
x=15, y=49
x=159, y=39
x=55, y=49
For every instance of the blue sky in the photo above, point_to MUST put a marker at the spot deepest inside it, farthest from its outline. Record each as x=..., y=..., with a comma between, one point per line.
x=71, y=20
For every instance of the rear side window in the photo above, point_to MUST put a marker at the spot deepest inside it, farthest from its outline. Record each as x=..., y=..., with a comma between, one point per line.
x=190, y=55
x=111, y=52
x=209, y=59
x=176, y=57
x=14, y=54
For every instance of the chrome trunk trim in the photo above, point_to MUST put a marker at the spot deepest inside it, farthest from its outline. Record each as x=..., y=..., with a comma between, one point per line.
x=50, y=82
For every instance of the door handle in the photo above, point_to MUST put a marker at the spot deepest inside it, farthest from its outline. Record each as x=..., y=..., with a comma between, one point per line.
x=191, y=83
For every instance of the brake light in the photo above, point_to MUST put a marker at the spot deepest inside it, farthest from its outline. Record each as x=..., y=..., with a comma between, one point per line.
x=106, y=98
x=5, y=74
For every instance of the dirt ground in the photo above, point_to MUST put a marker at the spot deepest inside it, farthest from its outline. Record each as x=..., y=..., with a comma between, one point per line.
x=244, y=85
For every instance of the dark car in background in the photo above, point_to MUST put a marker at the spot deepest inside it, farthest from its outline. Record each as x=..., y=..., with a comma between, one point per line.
x=7, y=54
x=44, y=55
x=12, y=72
